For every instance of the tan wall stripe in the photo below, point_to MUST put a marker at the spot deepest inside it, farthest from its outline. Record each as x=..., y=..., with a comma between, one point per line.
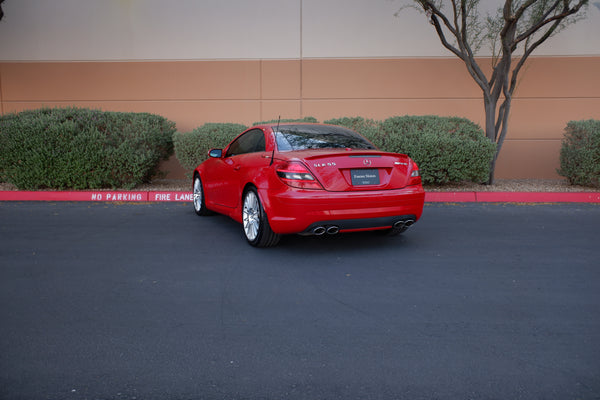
x=553, y=91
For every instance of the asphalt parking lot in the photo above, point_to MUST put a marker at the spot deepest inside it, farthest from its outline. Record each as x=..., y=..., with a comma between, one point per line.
x=149, y=301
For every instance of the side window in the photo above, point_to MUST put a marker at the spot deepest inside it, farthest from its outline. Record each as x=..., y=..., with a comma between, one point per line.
x=250, y=142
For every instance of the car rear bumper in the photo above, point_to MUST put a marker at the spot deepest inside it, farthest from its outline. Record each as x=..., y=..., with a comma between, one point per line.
x=298, y=211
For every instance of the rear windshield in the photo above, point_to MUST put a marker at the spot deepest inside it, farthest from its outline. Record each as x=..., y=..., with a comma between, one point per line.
x=306, y=137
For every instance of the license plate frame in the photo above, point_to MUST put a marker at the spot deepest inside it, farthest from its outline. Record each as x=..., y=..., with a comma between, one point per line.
x=365, y=177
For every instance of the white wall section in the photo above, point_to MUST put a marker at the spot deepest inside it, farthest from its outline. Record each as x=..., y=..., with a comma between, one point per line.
x=149, y=29
x=44, y=30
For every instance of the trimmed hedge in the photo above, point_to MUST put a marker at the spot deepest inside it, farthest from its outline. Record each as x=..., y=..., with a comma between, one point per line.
x=447, y=149
x=580, y=153
x=73, y=148
x=369, y=128
x=191, y=148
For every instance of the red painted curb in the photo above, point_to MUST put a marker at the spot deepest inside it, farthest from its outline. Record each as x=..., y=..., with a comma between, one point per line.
x=178, y=196
x=538, y=197
x=512, y=197
x=170, y=196
x=450, y=197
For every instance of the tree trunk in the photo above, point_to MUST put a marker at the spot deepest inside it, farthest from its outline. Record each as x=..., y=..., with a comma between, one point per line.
x=490, y=130
x=492, y=169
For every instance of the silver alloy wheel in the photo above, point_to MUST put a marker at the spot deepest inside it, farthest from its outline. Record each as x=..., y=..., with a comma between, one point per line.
x=251, y=215
x=197, y=194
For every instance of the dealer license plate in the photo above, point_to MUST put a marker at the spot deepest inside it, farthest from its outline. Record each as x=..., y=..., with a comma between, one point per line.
x=362, y=177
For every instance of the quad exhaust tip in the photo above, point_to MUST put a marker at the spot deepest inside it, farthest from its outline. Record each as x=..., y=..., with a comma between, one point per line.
x=333, y=230
x=330, y=230
x=319, y=230
x=403, y=224
x=400, y=225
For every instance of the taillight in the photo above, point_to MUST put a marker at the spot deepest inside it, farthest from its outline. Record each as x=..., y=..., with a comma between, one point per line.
x=415, y=176
x=295, y=174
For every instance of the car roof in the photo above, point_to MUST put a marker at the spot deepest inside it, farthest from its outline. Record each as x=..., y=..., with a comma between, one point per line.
x=299, y=124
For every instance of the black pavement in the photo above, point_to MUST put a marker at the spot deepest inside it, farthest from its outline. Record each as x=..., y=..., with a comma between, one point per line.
x=149, y=301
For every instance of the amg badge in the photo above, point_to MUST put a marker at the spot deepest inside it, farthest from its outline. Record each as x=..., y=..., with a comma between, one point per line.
x=329, y=164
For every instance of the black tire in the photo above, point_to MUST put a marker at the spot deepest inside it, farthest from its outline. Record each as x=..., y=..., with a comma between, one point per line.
x=198, y=199
x=256, y=226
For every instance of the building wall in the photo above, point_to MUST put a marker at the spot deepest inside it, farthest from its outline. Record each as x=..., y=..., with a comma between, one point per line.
x=241, y=61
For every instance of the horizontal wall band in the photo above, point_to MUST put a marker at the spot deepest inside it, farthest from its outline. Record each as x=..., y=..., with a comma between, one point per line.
x=552, y=91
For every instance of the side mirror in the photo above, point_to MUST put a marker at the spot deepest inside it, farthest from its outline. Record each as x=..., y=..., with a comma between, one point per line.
x=215, y=153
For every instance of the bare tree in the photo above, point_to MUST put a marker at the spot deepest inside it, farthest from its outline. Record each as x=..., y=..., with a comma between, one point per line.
x=517, y=29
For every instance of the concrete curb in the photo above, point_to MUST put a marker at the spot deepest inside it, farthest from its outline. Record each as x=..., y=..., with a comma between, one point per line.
x=179, y=196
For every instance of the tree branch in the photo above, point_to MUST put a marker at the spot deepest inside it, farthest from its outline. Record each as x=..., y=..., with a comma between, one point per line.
x=464, y=52
x=464, y=30
x=528, y=52
x=521, y=10
x=442, y=36
x=429, y=7
x=545, y=20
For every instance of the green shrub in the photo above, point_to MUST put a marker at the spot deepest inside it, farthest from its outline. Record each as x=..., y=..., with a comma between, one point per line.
x=191, y=148
x=71, y=148
x=447, y=150
x=580, y=153
x=369, y=128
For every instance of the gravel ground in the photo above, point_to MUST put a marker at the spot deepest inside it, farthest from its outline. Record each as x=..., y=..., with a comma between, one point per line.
x=501, y=185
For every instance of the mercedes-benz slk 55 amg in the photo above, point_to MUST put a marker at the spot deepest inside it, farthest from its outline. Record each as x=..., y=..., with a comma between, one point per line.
x=308, y=179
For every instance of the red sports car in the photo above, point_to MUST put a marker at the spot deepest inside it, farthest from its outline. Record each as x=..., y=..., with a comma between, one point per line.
x=308, y=179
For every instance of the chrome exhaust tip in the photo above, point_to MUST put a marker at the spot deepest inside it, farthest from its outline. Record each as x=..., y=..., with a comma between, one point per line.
x=319, y=230
x=399, y=224
x=333, y=230
x=409, y=222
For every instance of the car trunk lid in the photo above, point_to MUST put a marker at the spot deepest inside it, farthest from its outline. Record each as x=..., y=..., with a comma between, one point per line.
x=353, y=170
